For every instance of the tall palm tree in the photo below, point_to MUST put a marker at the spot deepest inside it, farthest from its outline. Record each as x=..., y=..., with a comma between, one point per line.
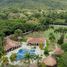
x=4, y=61
x=13, y=57
x=51, y=37
x=28, y=57
x=2, y=52
x=38, y=58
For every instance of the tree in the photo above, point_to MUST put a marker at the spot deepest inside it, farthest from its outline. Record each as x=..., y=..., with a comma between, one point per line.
x=2, y=52
x=28, y=57
x=51, y=37
x=2, y=35
x=3, y=16
x=18, y=32
x=38, y=58
x=64, y=46
x=1, y=44
x=41, y=45
x=46, y=21
x=65, y=20
x=18, y=35
x=13, y=57
x=62, y=61
x=46, y=51
x=4, y=61
x=37, y=15
x=61, y=40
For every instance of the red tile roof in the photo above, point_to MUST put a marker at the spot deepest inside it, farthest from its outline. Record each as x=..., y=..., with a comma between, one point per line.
x=50, y=61
x=36, y=40
x=58, y=51
x=10, y=44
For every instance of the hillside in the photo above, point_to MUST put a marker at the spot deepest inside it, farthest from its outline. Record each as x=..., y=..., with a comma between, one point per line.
x=50, y=4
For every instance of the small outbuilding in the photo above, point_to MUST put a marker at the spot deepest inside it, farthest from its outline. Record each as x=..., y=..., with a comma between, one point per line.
x=58, y=51
x=10, y=44
x=50, y=61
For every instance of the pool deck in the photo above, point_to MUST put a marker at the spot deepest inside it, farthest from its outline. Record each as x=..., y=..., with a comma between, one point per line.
x=24, y=46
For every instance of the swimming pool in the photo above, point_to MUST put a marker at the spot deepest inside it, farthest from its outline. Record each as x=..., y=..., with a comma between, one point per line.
x=32, y=51
x=21, y=53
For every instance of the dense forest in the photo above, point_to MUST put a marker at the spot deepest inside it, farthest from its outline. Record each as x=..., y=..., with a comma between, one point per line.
x=18, y=17
x=28, y=20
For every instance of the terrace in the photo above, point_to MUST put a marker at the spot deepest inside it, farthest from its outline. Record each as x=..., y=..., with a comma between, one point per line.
x=22, y=50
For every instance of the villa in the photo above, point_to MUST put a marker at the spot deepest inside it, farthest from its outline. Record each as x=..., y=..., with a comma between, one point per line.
x=36, y=41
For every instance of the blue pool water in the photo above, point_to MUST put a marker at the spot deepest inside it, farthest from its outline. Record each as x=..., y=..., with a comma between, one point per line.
x=21, y=53
x=32, y=51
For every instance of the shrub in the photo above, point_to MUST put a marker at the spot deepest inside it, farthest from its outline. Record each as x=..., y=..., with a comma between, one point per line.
x=41, y=45
x=64, y=46
x=13, y=57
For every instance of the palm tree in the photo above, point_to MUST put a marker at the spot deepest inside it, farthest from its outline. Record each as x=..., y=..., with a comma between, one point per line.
x=13, y=57
x=52, y=39
x=18, y=34
x=28, y=57
x=38, y=58
x=4, y=61
x=2, y=44
x=61, y=39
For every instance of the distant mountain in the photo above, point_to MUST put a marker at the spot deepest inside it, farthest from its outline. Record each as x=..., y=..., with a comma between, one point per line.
x=50, y=4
